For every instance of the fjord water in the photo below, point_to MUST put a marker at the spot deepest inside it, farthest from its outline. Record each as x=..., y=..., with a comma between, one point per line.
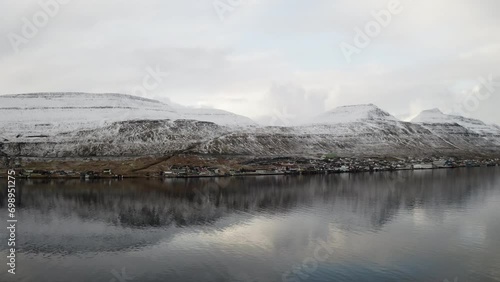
x=435, y=225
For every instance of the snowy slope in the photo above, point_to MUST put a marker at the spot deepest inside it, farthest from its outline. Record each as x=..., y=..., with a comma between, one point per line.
x=353, y=113
x=47, y=114
x=435, y=116
x=358, y=130
x=219, y=117
x=357, y=138
x=79, y=125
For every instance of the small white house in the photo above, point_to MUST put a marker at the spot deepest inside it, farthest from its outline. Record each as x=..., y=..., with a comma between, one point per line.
x=168, y=173
x=344, y=168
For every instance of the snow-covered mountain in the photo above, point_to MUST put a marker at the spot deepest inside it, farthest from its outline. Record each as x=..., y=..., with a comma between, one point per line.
x=361, y=130
x=435, y=116
x=46, y=114
x=444, y=124
x=113, y=125
x=353, y=113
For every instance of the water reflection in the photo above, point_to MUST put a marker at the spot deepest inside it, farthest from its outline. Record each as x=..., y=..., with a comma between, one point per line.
x=394, y=226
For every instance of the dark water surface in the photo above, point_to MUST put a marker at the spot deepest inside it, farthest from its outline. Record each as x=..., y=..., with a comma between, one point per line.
x=437, y=225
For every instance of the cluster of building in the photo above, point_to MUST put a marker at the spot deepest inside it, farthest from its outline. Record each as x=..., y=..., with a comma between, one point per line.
x=38, y=173
x=203, y=171
x=382, y=164
x=325, y=165
x=281, y=166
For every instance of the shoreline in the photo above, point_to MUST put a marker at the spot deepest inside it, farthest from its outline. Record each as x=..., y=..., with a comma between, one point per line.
x=118, y=177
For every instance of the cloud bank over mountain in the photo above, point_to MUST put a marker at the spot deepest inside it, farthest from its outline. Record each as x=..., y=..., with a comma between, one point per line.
x=269, y=60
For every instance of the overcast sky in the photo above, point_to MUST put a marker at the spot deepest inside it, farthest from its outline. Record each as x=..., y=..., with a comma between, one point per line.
x=260, y=58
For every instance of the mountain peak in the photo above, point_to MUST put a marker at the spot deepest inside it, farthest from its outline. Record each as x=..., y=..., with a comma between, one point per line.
x=433, y=116
x=353, y=113
x=359, y=106
x=435, y=111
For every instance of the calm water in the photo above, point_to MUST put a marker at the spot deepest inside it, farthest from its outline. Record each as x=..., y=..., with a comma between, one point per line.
x=401, y=226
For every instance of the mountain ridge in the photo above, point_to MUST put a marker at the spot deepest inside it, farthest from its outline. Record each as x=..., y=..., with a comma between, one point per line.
x=138, y=127
x=352, y=113
x=52, y=113
x=435, y=116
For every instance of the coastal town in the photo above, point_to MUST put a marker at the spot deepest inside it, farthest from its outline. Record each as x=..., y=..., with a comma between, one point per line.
x=324, y=164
